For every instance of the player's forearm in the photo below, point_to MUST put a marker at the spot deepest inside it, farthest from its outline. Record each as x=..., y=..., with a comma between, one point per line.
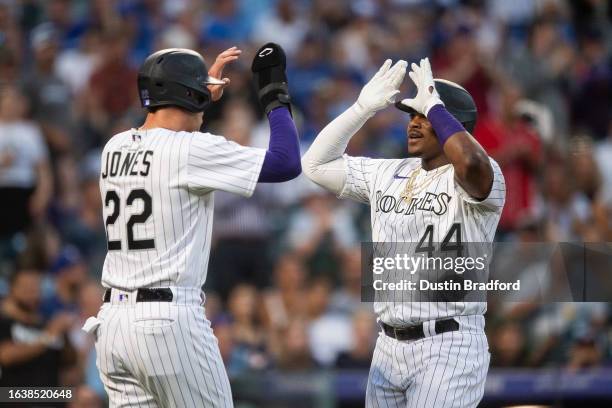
x=472, y=166
x=470, y=161
x=331, y=142
x=282, y=160
x=323, y=162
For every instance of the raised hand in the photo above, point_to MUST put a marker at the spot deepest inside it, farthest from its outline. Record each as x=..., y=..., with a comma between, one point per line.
x=216, y=71
x=383, y=88
x=427, y=96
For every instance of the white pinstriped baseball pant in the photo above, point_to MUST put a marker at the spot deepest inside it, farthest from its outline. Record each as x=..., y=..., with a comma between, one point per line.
x=160, y=354
x=443, y=370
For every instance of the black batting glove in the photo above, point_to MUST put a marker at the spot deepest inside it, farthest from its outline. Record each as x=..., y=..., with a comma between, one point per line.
x=269, y=74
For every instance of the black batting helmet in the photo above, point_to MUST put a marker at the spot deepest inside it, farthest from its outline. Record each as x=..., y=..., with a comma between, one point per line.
x=457, y=101
x=175, y=77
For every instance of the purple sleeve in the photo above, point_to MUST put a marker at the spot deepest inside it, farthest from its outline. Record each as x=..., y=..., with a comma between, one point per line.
x=282, y=160
x=443, y=123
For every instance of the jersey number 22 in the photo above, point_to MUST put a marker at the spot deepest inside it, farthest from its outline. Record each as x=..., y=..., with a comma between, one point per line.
x=138, y=194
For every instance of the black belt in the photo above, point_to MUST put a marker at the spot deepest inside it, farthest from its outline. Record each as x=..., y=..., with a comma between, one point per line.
x=416, y=332
x=147, y=295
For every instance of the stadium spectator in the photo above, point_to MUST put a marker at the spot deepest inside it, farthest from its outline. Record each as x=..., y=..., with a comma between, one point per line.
x=48, y=94
x=602, y=207
x=9, y=68
x=284, y=300
x=513, y=143
x=39, y=249
x=223, y=332
x=603, y=151
x=460, y=60
x=564, y=209
x=363, y=337
x=329, y=333
x=70, y=274
x=284, y=25
x=242, y=227
x=242, y=306
x=78, y=210
x=12, y=42
x=346, y=298
x=225, y=23
x=319, y=231
x=25, y=175
x=592, y=88
x=508, y=345
x=293, y=353
x=247, y=339
x=542, y=67
x=32, y=350
x=75, y=65
x=584, y=354
x=108, y=99
x=331, y=15
x=584, y=167
x=309, y=70
x=59, y=14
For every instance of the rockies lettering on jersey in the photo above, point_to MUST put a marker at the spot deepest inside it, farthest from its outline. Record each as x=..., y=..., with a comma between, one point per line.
x=436, y=203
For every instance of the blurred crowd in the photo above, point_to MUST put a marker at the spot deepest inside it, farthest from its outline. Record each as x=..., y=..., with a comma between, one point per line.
x=283, y=288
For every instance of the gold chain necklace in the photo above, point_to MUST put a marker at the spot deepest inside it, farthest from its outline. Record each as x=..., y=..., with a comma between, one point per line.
x=410, y=190
x=409, y=186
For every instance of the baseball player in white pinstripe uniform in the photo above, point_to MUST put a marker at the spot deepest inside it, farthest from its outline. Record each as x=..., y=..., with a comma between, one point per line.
x=428, y=354
x=155, y=347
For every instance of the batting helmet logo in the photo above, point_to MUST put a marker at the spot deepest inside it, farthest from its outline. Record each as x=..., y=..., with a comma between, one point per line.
x=266, y=51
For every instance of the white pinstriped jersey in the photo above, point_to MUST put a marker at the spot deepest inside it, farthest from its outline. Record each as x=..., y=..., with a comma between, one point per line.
x=436, y=206
x=157, y=190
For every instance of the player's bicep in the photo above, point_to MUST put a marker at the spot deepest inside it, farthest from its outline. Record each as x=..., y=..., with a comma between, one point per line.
x=217, y=164
x=357, y=184
x=496, y=198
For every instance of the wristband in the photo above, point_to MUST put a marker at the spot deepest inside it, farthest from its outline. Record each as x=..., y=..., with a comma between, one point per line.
x=444, y=124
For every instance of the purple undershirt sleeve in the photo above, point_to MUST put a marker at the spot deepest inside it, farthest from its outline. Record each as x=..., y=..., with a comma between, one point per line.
x=444, y=124
x=282, y=160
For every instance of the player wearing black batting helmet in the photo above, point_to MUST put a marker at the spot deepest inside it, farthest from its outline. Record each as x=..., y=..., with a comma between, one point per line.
x=447, y=190
x=157, y=184
x=457, y=100
x=175, y=77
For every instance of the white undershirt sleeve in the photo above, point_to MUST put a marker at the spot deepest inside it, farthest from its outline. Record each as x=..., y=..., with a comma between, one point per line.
x=323, y=162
